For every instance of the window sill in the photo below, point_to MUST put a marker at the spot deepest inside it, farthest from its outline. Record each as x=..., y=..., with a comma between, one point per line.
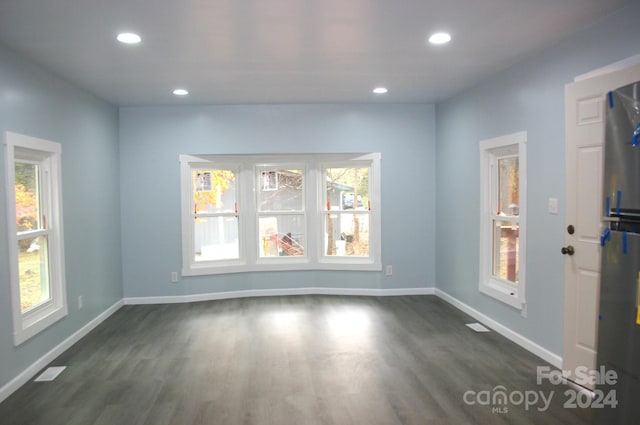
x=502, y=294
x=266, y=266
x=34, y=324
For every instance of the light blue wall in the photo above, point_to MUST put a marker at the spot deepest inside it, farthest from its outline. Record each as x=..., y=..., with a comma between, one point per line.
x=151, y=138
x=35, y=103
x=528, y=96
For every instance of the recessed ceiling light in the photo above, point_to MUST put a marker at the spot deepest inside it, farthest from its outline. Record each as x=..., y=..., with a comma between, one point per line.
x=129, y=38
x=440, y=38
x=180, y=92
x=380, y=90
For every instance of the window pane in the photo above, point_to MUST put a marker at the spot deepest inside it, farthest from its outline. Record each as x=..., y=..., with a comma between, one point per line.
x=280, y=190
x=216, y=238
x=214, y=191
x=27, y=196
x=508, y=177
x=33, y=272
x=505, y=250
x=347, y=235
x=347, y=188
x=281, y=235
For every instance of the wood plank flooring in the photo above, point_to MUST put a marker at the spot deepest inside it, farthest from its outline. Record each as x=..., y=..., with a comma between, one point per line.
x=288, y=360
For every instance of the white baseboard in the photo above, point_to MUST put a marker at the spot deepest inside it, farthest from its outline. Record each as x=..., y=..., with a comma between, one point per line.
x=43, y=361
x=525, y=343
x=32, y=370
x=278, y=292
x=513, y=336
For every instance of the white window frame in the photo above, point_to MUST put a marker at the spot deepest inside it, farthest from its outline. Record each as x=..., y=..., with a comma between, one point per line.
x=229, y=165
x=21, y=148
x=304, y=212
x=373, y=218
x=314, y=193
x=491, y=150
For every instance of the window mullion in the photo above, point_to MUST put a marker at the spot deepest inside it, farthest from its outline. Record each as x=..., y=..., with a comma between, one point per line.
x=30, y=234
x=217, y=214
x=514, y=218
x=45, y=194
x=312, y=204
x=276, y=212
x=247, y=207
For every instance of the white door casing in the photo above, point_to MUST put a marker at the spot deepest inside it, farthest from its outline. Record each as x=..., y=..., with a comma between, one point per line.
x=585, y=108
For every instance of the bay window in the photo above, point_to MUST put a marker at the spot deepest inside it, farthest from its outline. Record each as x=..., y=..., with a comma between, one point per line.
x=280, y=212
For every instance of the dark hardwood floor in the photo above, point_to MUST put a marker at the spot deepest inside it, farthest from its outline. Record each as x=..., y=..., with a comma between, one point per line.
x=290, y=360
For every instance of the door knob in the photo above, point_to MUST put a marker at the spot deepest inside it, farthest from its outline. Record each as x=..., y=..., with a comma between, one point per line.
x=568, y=250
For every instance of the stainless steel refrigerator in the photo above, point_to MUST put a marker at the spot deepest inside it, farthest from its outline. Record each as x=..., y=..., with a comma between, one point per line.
x=619, y=314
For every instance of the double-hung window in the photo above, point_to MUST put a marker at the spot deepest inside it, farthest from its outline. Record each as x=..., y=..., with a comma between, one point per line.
x=280, y=212
x=348, y=210
x=35, y=234
x=503, y=212
x=215, y=213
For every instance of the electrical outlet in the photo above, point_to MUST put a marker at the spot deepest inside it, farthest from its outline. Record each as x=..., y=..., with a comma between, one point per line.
x=389, y=270
x=80, y=302
x=174, y=277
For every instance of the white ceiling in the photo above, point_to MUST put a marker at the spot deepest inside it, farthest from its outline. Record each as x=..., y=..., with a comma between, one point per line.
x=285, y=51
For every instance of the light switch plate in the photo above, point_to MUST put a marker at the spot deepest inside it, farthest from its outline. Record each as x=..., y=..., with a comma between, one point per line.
x=553, y=205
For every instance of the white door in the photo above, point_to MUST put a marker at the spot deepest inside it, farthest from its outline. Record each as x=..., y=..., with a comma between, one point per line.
x=585, y=106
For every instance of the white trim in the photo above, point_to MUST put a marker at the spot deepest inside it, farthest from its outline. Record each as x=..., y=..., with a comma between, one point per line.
x=614, y=67
x=500, y=292
x=270, y=265
x=38, y=365
x=546, y=355
x=43, y=361
x=212, y=296
x=503, y=141
x=45, y=154
x=514, y=144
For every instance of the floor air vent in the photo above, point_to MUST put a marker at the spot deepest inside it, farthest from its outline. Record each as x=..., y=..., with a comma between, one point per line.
x=477, y=327
x=50, y=374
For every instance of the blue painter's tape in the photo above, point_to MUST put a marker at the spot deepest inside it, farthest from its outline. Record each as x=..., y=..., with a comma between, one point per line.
x=606, y=235
x=625, y=245
x=610, y=99
x=607, y=206
x=618, y=201
x=636, y=136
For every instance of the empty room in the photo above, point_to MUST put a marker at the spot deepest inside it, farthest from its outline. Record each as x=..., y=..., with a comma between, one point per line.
x=319, y=212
